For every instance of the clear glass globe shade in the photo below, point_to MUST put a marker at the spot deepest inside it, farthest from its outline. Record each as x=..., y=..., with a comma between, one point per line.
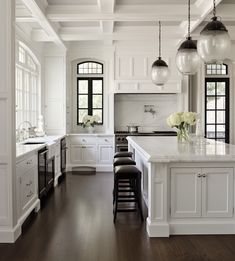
x=214, y=46
x=188, y=61
x=160, y=75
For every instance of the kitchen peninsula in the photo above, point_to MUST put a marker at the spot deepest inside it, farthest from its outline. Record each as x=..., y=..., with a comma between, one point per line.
x=188, y=188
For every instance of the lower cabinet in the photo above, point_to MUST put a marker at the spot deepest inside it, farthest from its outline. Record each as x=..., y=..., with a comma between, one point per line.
x=201, y=192
x=26, y=186
x=92, y=150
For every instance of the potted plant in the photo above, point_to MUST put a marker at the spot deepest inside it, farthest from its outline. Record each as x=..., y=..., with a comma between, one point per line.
x=89, y=121
x=182, y=121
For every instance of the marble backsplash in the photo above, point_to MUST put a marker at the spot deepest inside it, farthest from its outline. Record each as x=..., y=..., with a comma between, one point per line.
x=148, y=111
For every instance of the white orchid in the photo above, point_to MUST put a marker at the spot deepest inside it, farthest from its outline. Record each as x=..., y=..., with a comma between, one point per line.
x=89, y=120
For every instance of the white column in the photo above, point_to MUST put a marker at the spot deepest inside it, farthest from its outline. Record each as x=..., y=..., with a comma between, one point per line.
x=9, y=231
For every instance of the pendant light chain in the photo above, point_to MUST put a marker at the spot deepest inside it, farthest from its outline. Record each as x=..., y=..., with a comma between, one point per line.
x=214, y=9
x=189, y=18
x=159, y=39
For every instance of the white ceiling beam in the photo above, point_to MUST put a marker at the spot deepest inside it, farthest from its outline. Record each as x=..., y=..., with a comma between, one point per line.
x=106, y=6
x=124, y=13
x=38, y=12
x=107, y=27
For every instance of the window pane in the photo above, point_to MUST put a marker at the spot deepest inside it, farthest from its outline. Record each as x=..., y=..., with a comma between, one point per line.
x=210, y=133
x=221, y=103
x=83, y=86
x=90, y=68
x=83, y=101
x=220, y=116
x=211, y=103
x=220, y=88
x=99, y=113
x=210, y=88
x=97, y=86
x=210, y=116
x=81, y=114
x=221, y=131
x=97, y=101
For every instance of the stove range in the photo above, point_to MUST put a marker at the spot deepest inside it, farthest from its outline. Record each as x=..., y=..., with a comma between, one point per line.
x=121, y=143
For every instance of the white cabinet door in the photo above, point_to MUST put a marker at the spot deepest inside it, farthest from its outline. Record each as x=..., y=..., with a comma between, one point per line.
x=89, y=154
x=217, y=192
x=185, y=192
x=76, y=154
x=105, y=154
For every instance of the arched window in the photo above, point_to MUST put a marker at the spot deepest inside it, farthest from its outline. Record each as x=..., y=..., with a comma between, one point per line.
x=89, y=90
x=216, y=69
x=27, y=85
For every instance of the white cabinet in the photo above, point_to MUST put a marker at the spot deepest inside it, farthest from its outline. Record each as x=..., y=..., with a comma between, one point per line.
x=27, y=187
x=201, y=192
x=92, y=150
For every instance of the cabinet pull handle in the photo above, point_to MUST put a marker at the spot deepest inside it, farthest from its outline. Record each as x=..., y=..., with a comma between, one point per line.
x=199, y=175
x=204, y=175
x=30, y=194
x=30, y=183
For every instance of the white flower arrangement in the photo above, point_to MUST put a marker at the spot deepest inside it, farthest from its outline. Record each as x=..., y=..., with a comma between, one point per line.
x=182, y=121
x=90, y=121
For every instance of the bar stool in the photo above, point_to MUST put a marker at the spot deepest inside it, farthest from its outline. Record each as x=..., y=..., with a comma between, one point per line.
x=123, y=161
x=123, y=154
x=129, y=193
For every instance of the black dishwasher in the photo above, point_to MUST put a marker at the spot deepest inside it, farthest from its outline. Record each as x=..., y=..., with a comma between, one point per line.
x=46, y=172
x=63, y=149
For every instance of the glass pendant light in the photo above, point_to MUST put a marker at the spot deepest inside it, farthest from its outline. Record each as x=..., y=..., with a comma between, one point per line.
x=214, y=44
x=187, y=58
x=160, y=70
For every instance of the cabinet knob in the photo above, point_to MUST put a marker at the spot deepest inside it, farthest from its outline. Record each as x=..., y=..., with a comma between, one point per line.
x=203, y=175
x=106, y=140
x=199, y=175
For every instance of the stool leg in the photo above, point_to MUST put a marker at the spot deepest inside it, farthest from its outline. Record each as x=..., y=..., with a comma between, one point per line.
x=115, y=199
x=139, y=199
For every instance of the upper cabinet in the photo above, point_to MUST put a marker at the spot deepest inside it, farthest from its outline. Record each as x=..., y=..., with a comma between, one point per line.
x=133, y=74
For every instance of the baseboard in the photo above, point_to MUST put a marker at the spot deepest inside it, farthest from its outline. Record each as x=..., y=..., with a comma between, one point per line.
x=9, y=235
x=157, y=229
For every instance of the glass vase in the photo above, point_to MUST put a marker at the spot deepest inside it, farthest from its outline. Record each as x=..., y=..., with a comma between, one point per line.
x=183, y=135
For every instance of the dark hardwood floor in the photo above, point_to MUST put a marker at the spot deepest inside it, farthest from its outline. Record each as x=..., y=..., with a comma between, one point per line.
x=76, y=223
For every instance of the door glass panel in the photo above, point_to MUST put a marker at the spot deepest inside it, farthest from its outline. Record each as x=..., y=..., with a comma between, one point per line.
x=221, y=103
x=97, y=86
x=210, y=116
x=220, y=116
x=83, y=101
x=83, y=86
x=81, y=114
x=210, y=131
x=211, y=103
x=220, y=88
x=99, y=113
x=97, y=101
x=210, y=88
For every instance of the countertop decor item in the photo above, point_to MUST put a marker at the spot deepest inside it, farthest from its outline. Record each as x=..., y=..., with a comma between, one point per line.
x=187, y=58
x=182, y=121
x=214, y=43
x=89, y=122
x=160, y=70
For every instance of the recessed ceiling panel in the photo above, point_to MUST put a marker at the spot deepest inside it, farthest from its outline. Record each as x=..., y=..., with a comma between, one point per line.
x=72, y=2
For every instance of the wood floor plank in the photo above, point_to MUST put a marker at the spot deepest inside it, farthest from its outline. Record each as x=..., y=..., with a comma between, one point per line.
x=76, y=224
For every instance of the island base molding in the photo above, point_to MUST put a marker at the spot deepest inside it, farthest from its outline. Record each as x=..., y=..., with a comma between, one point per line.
x=8, y=235
x=157, y=229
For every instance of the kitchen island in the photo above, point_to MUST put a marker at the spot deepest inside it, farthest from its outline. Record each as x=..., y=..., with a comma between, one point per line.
x=188, y=187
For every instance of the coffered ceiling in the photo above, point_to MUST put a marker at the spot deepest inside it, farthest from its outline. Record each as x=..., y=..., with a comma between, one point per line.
x=62, y=21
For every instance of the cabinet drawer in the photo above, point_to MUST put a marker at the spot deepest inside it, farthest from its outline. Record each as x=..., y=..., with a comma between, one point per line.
x=78, y=140
x=105, y=140
x=27, y=164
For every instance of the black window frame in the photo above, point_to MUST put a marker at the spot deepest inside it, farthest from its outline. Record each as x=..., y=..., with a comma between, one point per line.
x=102, y=68
x=90, y=98
x=218, y=69
x=227, y=99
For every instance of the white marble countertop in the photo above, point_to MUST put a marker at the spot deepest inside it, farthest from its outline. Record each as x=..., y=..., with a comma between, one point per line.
x=22, y=150
x=167, y=149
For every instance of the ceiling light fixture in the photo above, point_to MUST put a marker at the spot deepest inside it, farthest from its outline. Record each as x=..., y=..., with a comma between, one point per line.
x=160, y=70
x=214, y=43
x=187, y=58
